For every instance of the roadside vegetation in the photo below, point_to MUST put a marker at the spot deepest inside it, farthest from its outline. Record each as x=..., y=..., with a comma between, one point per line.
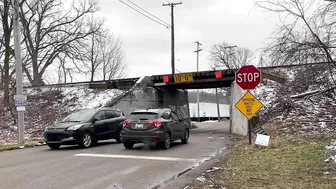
x=4, y=147
x=286, y=163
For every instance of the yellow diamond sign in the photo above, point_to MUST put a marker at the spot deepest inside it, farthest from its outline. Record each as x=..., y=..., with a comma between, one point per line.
x=249, y=105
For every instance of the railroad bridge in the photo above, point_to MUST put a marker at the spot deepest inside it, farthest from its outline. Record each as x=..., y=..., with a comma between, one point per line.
x=169, y=90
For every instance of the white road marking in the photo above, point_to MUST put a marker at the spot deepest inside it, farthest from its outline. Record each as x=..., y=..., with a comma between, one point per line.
x=136, y=157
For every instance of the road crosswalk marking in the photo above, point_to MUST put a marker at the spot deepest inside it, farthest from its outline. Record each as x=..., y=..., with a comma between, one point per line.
x=136, y=157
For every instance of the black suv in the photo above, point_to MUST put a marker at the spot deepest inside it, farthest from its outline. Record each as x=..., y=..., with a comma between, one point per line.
x=153, y=127
x=86, y=127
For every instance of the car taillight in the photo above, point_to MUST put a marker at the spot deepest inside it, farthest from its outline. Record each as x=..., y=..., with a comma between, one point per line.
x=126, y=122
x=157, y=123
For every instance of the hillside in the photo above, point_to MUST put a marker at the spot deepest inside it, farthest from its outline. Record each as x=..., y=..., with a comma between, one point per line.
x=46, y=105
x=302, y=105
x=285, y=105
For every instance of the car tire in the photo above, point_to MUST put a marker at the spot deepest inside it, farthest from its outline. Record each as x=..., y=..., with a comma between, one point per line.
x=167, y=141
x=118, y=138
x=86, y=140
x=54, y=146
x=153, y=146
x=129, y=145
x=94, y=143
x=185, y=138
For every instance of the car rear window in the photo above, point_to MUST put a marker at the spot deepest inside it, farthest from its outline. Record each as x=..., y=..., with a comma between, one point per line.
x=143, y=116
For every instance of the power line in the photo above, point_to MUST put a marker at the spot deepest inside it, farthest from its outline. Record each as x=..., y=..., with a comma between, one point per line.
x=144, y=14
x=149, y=13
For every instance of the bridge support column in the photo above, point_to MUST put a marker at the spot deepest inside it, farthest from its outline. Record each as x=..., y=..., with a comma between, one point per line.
x=238, y=122
x=177, y=100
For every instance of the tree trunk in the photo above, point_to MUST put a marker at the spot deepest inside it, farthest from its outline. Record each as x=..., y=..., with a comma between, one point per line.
x=64, y=72
x=1, y=80
x=7, y=36
x=92, y=75
x=6, y=78
x=37, y=79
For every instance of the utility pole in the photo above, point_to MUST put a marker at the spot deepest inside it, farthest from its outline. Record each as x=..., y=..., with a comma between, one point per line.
x=172, y=5
x=18, y=71
x=218, y=111
x=217, y=102
x=197, y=52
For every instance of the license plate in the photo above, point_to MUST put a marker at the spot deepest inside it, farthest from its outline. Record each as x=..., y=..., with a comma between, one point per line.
x=183, y=77
x=139, y=126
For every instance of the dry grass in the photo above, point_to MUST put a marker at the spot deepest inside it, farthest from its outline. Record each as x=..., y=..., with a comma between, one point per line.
x=286, y=163
x=5, y=147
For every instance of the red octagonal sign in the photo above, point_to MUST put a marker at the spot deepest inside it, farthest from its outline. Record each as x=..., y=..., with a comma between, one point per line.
x=248, y=77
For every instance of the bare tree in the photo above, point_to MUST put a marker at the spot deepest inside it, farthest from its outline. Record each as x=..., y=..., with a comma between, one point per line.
x=63, y=70
x=102, y=55
x=91, y=54
x=2, y=51
x=223, y=55
x=7, y=27
x=307, y=34
x=304, y=35
x=114, y=65
x=50, y=30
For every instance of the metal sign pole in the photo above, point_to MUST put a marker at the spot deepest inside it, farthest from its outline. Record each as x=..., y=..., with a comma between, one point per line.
x=18, y=65
x=249, y=128
x=248, y=78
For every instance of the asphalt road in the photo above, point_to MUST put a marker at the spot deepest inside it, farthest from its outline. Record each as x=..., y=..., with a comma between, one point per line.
x=109, y=165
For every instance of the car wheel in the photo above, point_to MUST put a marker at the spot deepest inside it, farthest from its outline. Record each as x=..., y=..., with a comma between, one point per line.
x=118, y=138
x=94, y=142
x=153, y=146
x=129, y=145
x=167, y=141
x=86, y=140
x=185, y=139
x=54, y=146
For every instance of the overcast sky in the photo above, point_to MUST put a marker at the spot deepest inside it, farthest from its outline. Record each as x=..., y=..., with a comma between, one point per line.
x=147, y=44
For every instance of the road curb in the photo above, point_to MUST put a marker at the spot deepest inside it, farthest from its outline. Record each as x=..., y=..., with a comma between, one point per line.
x=8, y=147
x=185, y=178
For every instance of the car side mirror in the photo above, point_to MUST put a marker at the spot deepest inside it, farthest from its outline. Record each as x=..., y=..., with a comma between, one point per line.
x=94, y=120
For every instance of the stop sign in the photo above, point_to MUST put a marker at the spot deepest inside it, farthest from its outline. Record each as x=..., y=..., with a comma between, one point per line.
x=248, y=77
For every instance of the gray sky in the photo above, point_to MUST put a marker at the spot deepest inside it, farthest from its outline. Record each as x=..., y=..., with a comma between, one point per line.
x=147, y=44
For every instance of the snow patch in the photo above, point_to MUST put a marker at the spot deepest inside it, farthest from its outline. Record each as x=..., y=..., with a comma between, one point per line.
x=331, y=146
x=213, y=169
x=201, y=179
x=331, y=159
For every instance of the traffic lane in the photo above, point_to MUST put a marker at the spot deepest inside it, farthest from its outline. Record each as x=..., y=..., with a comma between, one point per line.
x=212, y=128
x=44, y=168
x=69, y=171
x=89, y=172
x=42, y=153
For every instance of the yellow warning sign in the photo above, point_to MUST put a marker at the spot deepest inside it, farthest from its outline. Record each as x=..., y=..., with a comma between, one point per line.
x=249, y=105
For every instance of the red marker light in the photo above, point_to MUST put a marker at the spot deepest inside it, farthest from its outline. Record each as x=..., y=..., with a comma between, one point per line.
x=165, y=79
x=218, y=74
x=157, y=123
x=126, y=122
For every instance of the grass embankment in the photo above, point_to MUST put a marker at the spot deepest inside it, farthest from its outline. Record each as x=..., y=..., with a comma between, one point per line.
x=284, y=164
x=4, y=147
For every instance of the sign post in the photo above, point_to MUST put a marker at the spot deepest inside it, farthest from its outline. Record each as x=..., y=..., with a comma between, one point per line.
x=248, y=78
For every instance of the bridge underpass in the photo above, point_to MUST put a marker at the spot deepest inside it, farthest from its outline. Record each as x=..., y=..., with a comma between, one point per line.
x=159, y=91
